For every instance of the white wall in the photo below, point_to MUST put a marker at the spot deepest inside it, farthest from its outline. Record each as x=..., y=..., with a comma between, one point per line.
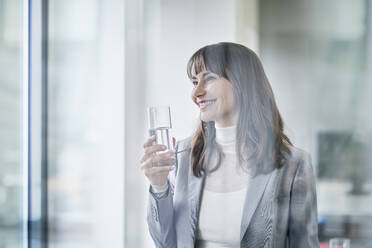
x=174, y=31
x=86, y=123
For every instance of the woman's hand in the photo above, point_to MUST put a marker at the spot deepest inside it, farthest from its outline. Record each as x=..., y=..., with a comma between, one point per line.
x=156, y=166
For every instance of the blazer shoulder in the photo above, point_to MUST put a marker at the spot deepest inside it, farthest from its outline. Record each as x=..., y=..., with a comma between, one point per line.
x=184, y=144
x=299, y=155
x=300, y=160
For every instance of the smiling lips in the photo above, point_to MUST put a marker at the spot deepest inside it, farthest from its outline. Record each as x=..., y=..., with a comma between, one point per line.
x=204, y=104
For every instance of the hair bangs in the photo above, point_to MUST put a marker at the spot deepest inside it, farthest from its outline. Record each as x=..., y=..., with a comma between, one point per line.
x=215, y=59
x=195, y=64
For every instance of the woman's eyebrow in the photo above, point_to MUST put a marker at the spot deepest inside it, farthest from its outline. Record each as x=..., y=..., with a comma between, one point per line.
x=203, y=75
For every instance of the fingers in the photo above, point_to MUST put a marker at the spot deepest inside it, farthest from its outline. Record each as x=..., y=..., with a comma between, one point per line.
x=151, y=150
x=149, y=141
x=151, y=159
x=158, y=170
x=155, y=148
x=164, y=159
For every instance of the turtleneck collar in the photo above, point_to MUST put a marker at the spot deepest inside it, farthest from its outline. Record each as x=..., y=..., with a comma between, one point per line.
x=226, y=135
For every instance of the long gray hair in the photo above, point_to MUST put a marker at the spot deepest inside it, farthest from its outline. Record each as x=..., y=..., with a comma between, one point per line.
x=261, y=144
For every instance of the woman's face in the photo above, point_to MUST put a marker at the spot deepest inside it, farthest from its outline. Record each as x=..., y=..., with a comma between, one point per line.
x=214, y=97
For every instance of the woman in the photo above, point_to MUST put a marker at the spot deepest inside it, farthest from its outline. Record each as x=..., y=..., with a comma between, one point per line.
x=238, y=181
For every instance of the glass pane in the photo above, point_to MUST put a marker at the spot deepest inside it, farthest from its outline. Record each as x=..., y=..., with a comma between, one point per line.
x=103, y=73
x=315, y=53
x=85, y=124
x=11, y=125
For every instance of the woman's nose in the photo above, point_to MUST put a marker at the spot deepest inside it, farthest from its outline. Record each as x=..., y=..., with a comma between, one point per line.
x=199, y=91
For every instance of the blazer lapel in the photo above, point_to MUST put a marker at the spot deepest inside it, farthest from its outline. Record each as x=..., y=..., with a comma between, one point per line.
x=195, y=188
x=256, y=188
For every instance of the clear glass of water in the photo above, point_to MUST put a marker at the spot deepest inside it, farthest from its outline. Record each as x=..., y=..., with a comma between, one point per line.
x=339, y=243
x=160, y=125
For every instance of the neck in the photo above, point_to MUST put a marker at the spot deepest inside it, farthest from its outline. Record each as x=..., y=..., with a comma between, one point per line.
x=226, y=135
x=231, y=119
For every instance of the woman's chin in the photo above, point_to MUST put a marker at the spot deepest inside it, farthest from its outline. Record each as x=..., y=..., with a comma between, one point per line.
x=205, y=117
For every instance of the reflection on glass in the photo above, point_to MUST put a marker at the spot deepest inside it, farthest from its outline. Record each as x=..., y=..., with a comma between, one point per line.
x=315, y=53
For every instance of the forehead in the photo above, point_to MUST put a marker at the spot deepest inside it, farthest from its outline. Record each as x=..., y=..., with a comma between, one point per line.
x=198, y=70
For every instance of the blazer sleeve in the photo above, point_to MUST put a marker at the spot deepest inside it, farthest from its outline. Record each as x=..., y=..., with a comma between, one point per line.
x=160, y=213
x=303, y=220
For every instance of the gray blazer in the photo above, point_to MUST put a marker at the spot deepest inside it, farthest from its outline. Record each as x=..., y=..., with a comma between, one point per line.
x=280, y=208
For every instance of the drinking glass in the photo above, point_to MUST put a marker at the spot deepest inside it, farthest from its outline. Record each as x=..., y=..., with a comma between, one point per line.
x=160, y=125
x=339, y=243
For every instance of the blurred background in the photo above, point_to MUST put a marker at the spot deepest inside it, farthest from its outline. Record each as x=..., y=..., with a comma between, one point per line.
x=76, y=77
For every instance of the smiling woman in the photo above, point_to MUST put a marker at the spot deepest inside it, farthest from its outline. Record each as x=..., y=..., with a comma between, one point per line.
x=215, y=98
x=241, y=182
x=236, y=79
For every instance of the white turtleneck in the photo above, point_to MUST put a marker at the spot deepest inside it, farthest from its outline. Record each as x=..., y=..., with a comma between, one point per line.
x=229, y=177
x=223, y=197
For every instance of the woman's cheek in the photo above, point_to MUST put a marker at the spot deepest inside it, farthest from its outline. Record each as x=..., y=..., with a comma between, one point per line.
x=193, y=98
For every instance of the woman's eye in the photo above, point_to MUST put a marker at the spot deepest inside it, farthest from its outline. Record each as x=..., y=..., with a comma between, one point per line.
x=206, y=80
x=209, y=78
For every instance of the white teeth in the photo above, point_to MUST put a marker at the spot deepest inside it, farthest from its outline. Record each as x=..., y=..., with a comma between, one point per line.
x=206, y=103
